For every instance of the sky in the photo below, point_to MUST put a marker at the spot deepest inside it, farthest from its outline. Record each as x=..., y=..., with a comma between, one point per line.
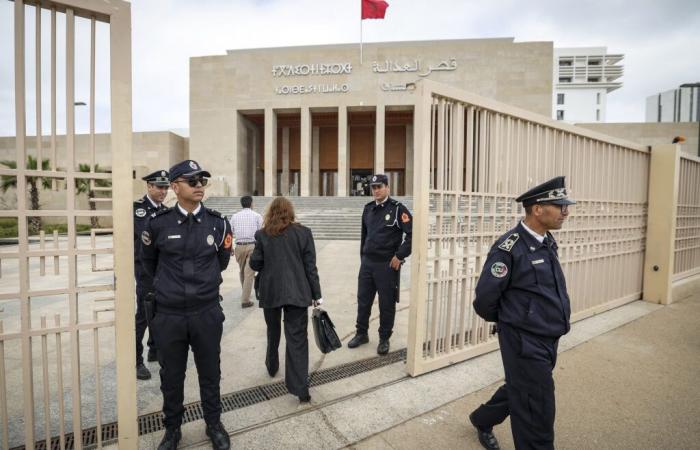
x=660, y=41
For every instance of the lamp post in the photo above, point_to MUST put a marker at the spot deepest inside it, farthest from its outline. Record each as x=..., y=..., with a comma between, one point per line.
x=697, y=112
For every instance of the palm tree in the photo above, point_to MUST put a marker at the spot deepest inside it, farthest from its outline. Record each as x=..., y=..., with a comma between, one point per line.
x=8, y=181
x=84, y=186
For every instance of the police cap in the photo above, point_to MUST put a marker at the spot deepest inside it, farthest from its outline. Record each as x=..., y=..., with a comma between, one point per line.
x=159, y=178
x=187, y=169
x=378, y=179
x=552, y=191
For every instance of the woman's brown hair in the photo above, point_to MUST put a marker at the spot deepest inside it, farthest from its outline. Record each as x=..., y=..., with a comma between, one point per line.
x=279, y=215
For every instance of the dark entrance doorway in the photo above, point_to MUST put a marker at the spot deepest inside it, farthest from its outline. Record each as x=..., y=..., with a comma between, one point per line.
x=359, y=182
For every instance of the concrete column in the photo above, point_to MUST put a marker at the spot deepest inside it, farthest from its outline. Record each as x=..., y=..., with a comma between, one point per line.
x=343, y=152
x=379, y=140
x=408, y=182
x=315, y=154
x=255, y=142
x=285, y=161
x=305, y=176
x=661, y=223
x=270, y=152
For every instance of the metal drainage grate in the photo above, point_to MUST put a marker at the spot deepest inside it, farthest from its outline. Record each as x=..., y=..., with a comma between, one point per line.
x=150, y=423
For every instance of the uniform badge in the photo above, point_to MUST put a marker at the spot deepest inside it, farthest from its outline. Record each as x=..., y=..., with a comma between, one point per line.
x=405, y=218
x=228, y=241
x=509, y=242
x=210, y=240
x=387, y=217
x=146, y=238
x=499, y=270
x=374, y=178
x=140, y=212
x=193, y=165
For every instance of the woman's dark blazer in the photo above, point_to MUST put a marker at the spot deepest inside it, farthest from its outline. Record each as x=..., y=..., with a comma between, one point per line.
x=287, y=266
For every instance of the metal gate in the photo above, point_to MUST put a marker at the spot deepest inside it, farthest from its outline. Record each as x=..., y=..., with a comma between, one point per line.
x=473, y=157
x=60, y=327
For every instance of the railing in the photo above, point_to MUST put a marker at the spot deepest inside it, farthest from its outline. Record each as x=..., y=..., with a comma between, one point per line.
x=474, y=157
x=57, y=342
x=687, y=241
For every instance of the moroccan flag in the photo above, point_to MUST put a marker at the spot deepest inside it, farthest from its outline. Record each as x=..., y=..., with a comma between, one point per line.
x=373, y=9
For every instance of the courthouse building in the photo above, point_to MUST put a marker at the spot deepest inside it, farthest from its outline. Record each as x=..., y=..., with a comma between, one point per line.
x=318, y=120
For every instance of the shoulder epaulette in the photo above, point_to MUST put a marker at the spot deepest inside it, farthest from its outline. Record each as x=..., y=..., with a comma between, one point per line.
x=509, y=242
x=160, y=212
x=139, y=201
x=214, y=212
x=369, y=203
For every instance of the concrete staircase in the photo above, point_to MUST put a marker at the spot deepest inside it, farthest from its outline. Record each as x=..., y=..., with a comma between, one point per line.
x=333, y=218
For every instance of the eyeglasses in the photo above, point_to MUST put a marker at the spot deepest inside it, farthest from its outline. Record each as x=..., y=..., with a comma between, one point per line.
x=194, y=181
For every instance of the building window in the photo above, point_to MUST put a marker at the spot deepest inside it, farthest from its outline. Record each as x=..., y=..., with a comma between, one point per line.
x=560, y=114
x=593, y=62
x=565, y=63
x=593, y=79
x=560, y=99
x=565, y=79
x=597, y=115
x=597, y=98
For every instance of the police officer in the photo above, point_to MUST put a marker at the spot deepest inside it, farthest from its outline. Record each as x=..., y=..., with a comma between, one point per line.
x=184, y=250
x=383, y=249
x=156, y=189
x=522, y=287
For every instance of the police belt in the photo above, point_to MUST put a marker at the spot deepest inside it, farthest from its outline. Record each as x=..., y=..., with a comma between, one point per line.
x=245, y=243
x=192, y=310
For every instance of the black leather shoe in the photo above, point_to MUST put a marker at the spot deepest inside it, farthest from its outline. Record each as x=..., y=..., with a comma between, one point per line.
x=272, y=362
x=152, y=355
x=219, y=437
x=305, y=398
x=486, y=438
x=358, y=340
x=383, y=347
x=171, y=439
x=142, y=372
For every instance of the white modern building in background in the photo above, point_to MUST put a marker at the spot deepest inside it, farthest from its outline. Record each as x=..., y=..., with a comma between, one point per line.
x=676, y=105
x=583, y=77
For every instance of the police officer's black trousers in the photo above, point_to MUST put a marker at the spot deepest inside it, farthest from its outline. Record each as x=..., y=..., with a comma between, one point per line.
x=528, y=394
x=175, y=334
x=296, y=359
x=376, y=278
x=141, y=325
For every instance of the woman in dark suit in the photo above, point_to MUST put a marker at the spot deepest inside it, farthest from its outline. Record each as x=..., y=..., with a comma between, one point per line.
x=285, y=256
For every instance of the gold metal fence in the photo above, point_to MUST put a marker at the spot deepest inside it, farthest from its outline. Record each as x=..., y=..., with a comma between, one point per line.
x=52, y=351
x=473, y=157
x=686, y=261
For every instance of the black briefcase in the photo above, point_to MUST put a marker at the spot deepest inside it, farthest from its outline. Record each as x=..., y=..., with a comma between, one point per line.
x=324, y=331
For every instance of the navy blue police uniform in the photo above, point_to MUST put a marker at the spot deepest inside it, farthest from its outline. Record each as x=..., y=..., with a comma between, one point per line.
x=183, y=255
x=522, y=287
x=143, y=208
x=386, y=232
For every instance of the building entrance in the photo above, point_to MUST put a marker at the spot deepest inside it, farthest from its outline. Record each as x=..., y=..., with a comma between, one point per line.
x=359, y=182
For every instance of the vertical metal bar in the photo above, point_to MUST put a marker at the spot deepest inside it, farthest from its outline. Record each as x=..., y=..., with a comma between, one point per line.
x=45, y=374
x=37, y=63
x=98, y=383
x=3, y=393
x=71, y=250
x=92, y=97
x=42, y=258
x=56, y=260
x=54, y=184
x=59, y=383
x=22, y=232
x=123, y=244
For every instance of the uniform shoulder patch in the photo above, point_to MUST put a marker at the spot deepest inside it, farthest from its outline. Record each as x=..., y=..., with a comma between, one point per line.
x=140, y=212
x=139, y=201
x=509, y=242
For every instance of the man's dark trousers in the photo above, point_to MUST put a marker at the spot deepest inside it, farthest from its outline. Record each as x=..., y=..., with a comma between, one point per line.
x=376, y=277
x=176, y=332
x=528, y=394
x=141, y=325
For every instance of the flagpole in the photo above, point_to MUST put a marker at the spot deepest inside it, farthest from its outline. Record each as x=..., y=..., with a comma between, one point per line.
x=360, y=39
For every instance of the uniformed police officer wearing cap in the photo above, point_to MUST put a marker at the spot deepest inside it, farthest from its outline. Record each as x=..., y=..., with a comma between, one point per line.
x=522, y=287
x=157, y=188
x=383, y=248
x=184, y=250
